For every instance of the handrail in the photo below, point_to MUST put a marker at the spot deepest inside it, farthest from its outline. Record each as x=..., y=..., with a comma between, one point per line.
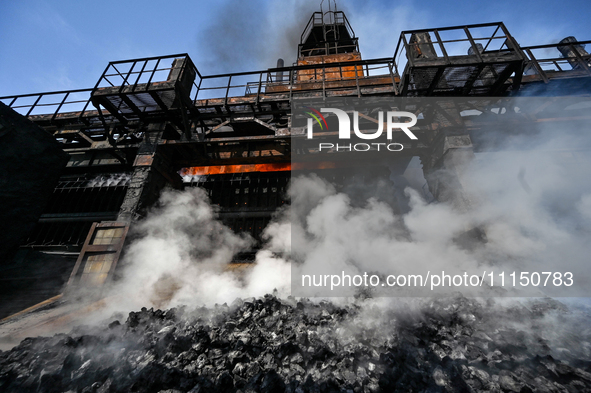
x=59, y=103
x=63, y=98
x=126, y=78
x=470, y=34
x=577, y=61
x=555, y=45
x=368, y=65
x=318, y=19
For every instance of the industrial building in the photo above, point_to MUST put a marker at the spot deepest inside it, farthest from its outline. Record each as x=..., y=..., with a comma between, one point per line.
x=103, y=154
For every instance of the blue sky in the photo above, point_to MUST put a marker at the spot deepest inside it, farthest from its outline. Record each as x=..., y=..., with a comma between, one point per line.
x=66, y=44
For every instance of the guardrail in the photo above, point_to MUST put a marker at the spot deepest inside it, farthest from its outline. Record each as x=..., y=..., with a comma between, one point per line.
x=448, y=42
x=547, y=60
x=65, y=101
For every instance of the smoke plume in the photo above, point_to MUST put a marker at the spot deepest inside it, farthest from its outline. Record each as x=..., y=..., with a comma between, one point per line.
x=180, y=256
x=533, y=205
x=253, y=35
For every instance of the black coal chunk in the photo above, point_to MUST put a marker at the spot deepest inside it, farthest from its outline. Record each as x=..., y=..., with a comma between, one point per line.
x=269, y=344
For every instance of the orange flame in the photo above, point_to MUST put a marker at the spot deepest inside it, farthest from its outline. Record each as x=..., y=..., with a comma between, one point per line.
x=224, y=169
x=275, y=167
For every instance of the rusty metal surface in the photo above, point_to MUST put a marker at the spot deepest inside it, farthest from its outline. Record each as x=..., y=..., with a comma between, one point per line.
x=330, y=73
x=144, y=160
x=221, y=169
x=100, y=254
x=205, y=126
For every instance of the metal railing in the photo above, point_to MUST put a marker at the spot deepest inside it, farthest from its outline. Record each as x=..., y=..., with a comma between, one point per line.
x=134, y=75
x=66, y=101
x=446, y=43
x=326, y=18
x=142, y=72
x=548, y=61
x=258, y=83
x=330, y=48
x=275, y=81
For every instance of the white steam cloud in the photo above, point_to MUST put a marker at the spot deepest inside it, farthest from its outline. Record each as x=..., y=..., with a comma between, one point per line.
x=181, y=254
x=532, y=204
x=534, y=207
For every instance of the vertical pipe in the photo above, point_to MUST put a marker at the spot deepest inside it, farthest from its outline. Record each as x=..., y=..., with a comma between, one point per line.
x=280, y=64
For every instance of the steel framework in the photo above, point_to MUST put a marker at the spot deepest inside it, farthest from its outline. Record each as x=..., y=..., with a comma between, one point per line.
x=148, y=118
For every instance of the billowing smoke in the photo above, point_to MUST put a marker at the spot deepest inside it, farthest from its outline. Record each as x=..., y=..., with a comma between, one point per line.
x=532, y=206
x=528, y=212
x=253, y=35
x=180, y=256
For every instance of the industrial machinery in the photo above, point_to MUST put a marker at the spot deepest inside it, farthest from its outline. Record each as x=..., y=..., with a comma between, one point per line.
x=157, y=122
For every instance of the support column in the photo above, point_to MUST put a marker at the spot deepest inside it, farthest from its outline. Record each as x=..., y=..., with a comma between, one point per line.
x=444, y=171
x=445, y=167
x=151, y=173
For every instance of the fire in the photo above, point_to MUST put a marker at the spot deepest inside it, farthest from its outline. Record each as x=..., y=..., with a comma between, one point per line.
x=275, y=167
x=224, y=169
